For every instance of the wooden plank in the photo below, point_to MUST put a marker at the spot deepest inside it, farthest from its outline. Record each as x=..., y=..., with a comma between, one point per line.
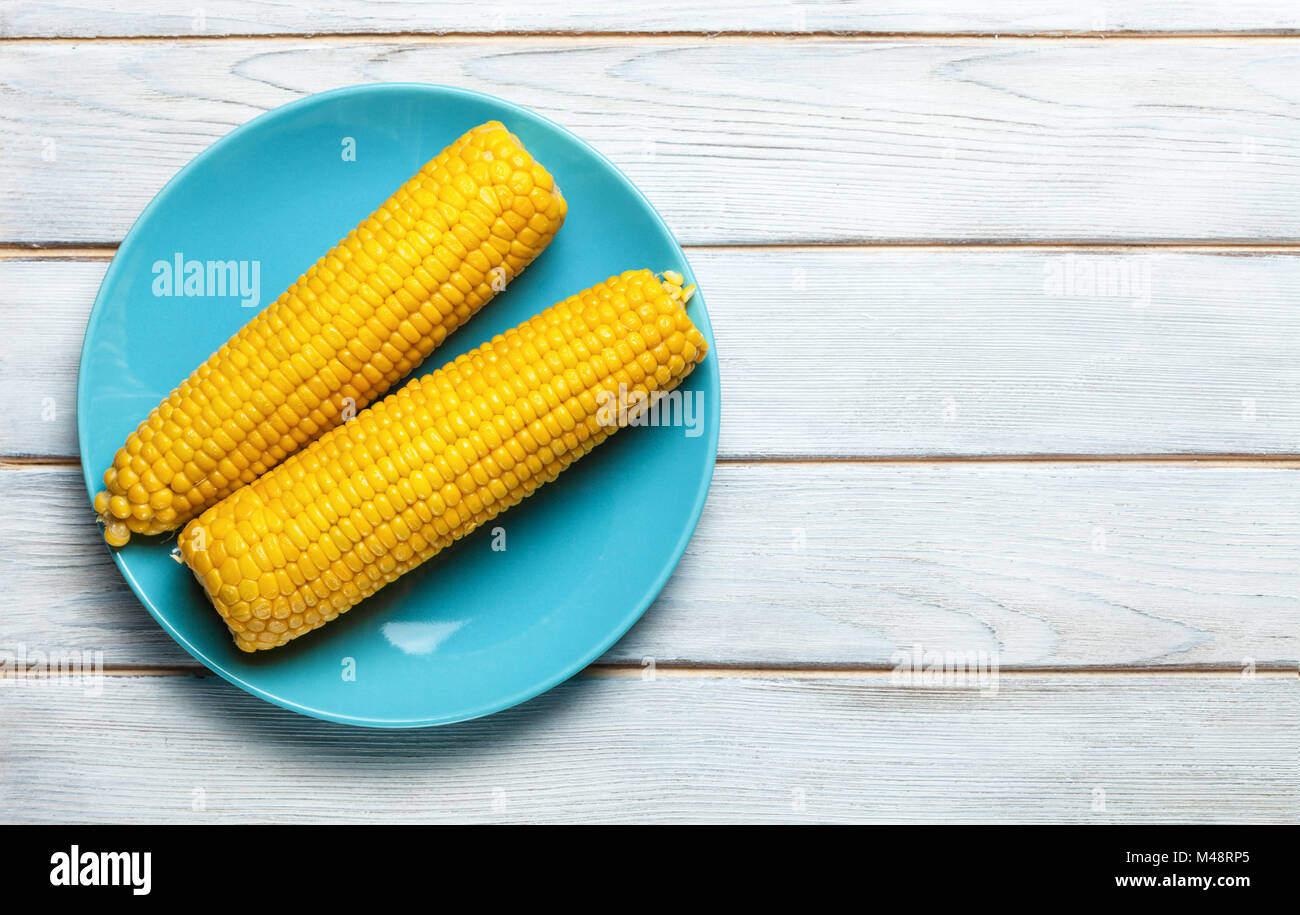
x=846, y=564
x=735, y=140
x=697, y=749
x=24, y=18
x=871, y=352
x=942, y=352
x=45, y=305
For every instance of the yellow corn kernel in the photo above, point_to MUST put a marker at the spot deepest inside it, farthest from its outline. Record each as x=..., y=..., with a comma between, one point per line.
x=374, y=498
x=362, y=317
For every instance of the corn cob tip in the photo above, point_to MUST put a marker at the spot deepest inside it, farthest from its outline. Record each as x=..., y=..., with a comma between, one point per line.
x=672, y=281
x=116, y=533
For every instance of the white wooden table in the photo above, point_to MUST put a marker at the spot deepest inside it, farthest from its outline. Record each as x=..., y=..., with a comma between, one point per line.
x=1007, y=302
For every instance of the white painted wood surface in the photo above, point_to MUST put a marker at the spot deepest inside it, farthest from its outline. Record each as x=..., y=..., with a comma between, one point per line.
x=1042, y=564
x=678, y=748
x=734, y=140
x=878, y=352
x=1122, y=598
x=79, y=18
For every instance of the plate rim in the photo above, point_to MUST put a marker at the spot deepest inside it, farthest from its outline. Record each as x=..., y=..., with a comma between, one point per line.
x=623, y=624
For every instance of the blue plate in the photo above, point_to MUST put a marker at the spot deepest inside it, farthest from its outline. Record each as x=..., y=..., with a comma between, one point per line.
x=476, y=629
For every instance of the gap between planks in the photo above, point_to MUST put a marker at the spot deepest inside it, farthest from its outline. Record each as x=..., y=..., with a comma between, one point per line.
x=1268, y=461
x=737, y=36
x=876, y=673
x=105, y=252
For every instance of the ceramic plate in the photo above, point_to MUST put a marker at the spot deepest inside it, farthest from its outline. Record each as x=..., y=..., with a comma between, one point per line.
x=478, y=628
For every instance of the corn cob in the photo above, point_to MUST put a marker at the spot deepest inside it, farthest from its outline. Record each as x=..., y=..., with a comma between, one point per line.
x=379, y=495
x=361, y=318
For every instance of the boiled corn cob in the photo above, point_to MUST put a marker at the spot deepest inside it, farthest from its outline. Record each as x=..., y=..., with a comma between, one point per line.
x=377, y=496
x=361, y=318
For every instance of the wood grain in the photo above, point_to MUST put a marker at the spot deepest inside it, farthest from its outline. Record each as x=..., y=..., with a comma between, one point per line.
x=735, y=140
x=1153, y=749
x=890, y=352
x=845, y=564
x=264, y=17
